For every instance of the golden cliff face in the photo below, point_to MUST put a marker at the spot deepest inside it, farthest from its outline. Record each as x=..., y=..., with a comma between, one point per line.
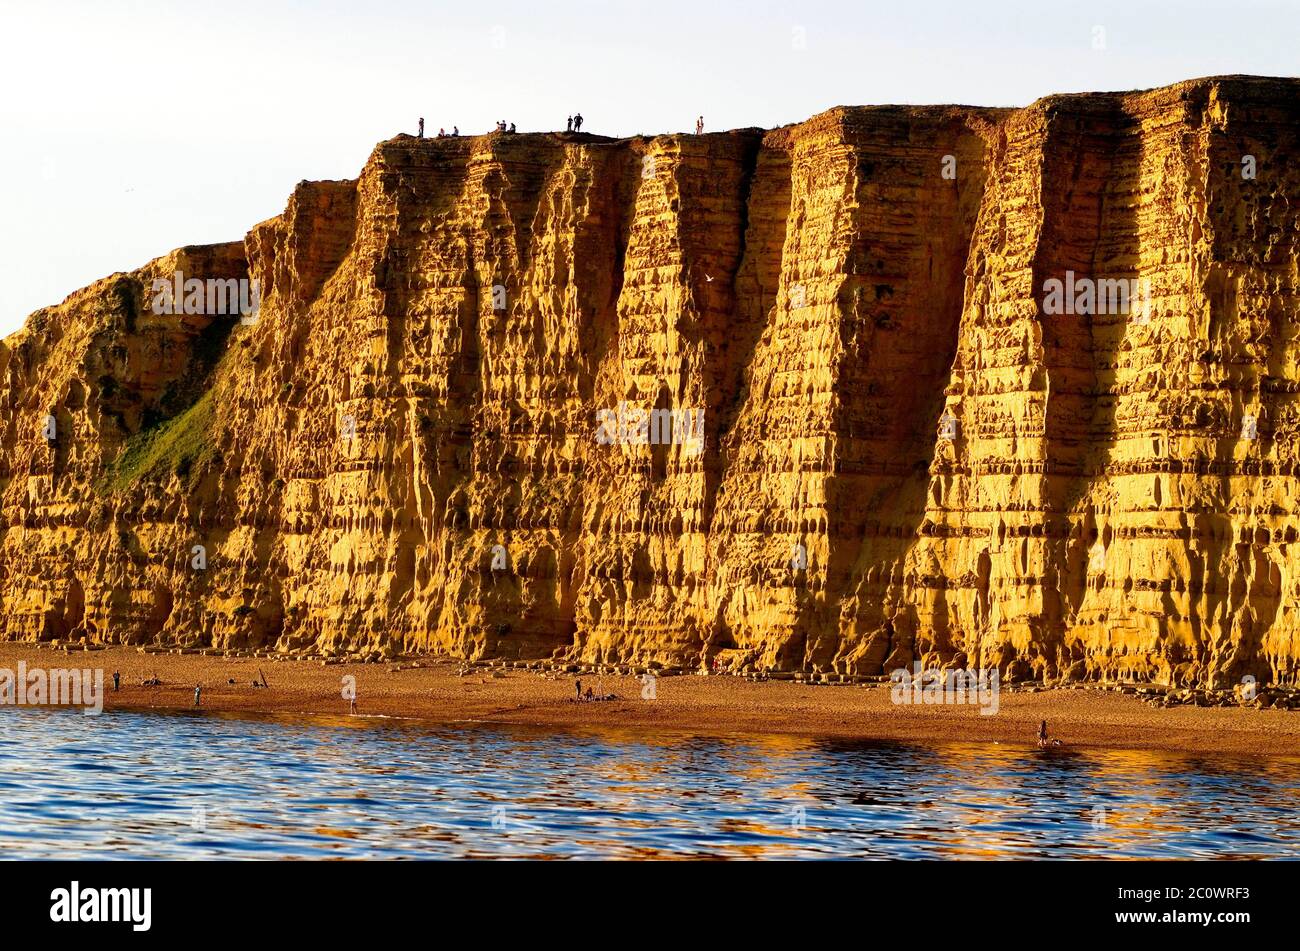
x=792, y=400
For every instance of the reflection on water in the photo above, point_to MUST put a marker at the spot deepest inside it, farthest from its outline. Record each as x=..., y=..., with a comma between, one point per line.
x=177, y=786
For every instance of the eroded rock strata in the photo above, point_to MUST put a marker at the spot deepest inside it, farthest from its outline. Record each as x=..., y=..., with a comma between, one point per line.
x=903, y=456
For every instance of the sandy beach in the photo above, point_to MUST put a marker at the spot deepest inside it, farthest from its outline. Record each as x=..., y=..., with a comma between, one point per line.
x=441, y=690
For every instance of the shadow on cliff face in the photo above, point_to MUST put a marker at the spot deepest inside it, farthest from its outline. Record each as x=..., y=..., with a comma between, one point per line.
x=901, y=312
x=765, y=209
x=1091, y=181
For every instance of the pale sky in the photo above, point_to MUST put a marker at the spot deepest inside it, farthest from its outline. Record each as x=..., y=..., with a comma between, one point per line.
x=132, y=128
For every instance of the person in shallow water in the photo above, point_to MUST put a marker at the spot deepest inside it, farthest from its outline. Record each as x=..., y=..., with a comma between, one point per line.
x=1043, y=741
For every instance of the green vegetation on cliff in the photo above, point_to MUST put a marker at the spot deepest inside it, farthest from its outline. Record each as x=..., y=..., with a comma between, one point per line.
x=173, y=446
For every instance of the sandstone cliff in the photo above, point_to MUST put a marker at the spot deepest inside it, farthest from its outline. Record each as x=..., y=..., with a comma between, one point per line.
x=903, y=455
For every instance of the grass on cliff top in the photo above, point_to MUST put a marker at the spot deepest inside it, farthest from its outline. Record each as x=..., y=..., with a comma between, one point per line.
x=171, y=447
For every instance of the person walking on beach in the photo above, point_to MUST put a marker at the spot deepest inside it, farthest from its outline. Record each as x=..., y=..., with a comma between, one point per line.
x=198, y=692
x=577, y=122
x=579, y=687
x=117, y=680
x=420, y=135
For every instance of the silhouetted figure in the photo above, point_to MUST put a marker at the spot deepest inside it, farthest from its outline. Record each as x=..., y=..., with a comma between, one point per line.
x=568, y=126
x=420, y=134
x=455, y=130
x=512, y=127
x=1043, y=741
x=117, y=680
x=579, y=688
x=699, y=126
x=577, y=122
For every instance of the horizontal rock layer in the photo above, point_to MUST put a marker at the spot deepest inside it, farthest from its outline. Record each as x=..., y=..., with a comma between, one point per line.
x=888, y=446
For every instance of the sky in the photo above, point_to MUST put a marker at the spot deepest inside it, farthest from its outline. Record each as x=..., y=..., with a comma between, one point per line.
x=128, y=129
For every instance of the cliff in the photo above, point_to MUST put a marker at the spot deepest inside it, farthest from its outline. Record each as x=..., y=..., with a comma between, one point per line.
x=882, y=442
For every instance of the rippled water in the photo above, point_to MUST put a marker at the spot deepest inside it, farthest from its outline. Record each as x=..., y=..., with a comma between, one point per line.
x=206, y=786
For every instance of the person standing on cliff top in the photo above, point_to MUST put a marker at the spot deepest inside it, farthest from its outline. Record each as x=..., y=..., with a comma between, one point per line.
x=699, y=126
x=568, y=126
x=577, y=122
x=420, y=135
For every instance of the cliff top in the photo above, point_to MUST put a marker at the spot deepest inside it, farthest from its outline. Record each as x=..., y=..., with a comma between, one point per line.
x=1242, y=87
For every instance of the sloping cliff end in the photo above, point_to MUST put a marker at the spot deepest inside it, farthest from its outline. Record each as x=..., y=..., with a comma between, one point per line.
x=885, y=445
